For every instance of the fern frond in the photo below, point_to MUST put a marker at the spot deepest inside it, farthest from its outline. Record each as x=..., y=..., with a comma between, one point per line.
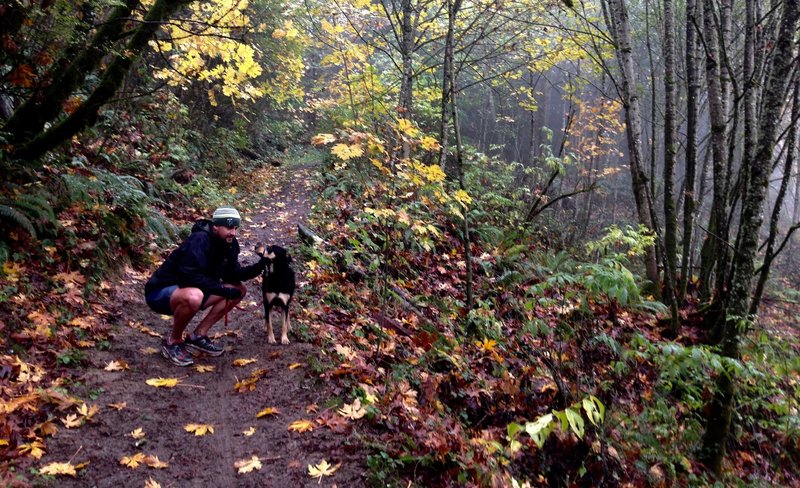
x=37, y=206
x=4, y=253
x=15, y=216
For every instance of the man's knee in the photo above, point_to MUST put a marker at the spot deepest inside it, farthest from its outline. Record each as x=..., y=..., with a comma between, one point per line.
x=188, y=297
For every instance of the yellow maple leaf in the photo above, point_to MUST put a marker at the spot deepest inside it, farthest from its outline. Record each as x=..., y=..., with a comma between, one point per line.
x=59, y=468
x=137, y=434
x=268, y=411
x=295, y=365
x=148, y=350
x=199, y=429
x=116, y=365
x=429, y=144
x=322, y=469
x=249, y=432
x=154, y=462
x=353, y=411
x=247, y=465
x=132, y=461
x=406, y=127
x=301, y=426
x=243, y=362
x=462, y=197
x=205, y=368
x=320, y=139
x=118, y=406
x=87, y=411
x=487, y=345
x=35, y=449
x=82, y=322
x=12, y=271
x=151, y=483
x=246, y=385
x=345, y=151
x=71, y=277
x=72, y=420
x=163, y=382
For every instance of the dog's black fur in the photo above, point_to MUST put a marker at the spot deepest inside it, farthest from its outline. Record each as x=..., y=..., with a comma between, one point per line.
x=277, y=287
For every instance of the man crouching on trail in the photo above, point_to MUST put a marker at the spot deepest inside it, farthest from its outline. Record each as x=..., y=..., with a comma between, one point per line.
x=204, y=272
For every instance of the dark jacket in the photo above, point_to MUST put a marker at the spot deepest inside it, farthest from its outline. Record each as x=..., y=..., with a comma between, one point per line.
x=202, y=261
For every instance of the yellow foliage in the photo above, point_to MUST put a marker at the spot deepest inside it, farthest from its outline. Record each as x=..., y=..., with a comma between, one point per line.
x=346, y=152
x=322, y=469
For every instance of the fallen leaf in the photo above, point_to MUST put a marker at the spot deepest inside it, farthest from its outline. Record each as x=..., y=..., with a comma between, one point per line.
x=72, y=420
x=205, y=368
x=148, y=350
x=199, y=429
x=322, y=469
x=312, y=408
x=137, y=434
x=268, y=411
x=151, y=483
x=249, y=432
x=132, y=461
x=154, y=462
x=35, y=449
x=87, y=411
x=163, y=382
x=59, y=468
x=301, y=426
x=247, y=465
x=117, y=365
x=243, y=362
x=118, y=406
x=353, y=411
x=246, y=385
x=295, y=365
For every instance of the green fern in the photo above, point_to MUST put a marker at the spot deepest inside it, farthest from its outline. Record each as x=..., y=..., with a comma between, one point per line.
x=15, y=216
x=5, y=252
x=37, y=206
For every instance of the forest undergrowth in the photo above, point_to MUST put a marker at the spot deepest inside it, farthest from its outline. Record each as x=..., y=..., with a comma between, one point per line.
x=559, y=375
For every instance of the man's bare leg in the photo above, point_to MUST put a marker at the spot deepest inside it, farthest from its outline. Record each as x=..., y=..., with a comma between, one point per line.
x=217, y=311
x=185, y=303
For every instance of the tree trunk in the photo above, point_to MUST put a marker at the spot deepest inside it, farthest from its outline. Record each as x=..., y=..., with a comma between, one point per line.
x=619, y=26
x=67, y=75
x=406, y=52
x=113, y=77
x=692, y=88
x=721, y=408
x=718, y=119
x=670, y=152
x=791, y=144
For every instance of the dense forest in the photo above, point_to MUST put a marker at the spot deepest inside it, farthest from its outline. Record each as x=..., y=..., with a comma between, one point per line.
x=552, y=243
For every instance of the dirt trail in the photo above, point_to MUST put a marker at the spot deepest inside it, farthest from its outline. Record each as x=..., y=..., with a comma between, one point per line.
x=210, y=397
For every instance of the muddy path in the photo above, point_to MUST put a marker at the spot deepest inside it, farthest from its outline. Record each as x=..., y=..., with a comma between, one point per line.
x=285, y=381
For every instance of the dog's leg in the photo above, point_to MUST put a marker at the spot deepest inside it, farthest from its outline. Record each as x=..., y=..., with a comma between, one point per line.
x=286, y=299
x=268, y=297
x=285, y=327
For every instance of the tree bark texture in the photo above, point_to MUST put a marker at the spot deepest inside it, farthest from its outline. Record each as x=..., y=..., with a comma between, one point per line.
x=670, y=156
x=620, y=30
x=692, y=88
x=760, y=167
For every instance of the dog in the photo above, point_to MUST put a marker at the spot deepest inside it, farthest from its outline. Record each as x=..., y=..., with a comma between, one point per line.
x=277, y=287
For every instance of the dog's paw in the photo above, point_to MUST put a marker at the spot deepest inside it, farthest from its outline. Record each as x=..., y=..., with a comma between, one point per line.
x=284, y=340
x=271, y=340
x=260, y=249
